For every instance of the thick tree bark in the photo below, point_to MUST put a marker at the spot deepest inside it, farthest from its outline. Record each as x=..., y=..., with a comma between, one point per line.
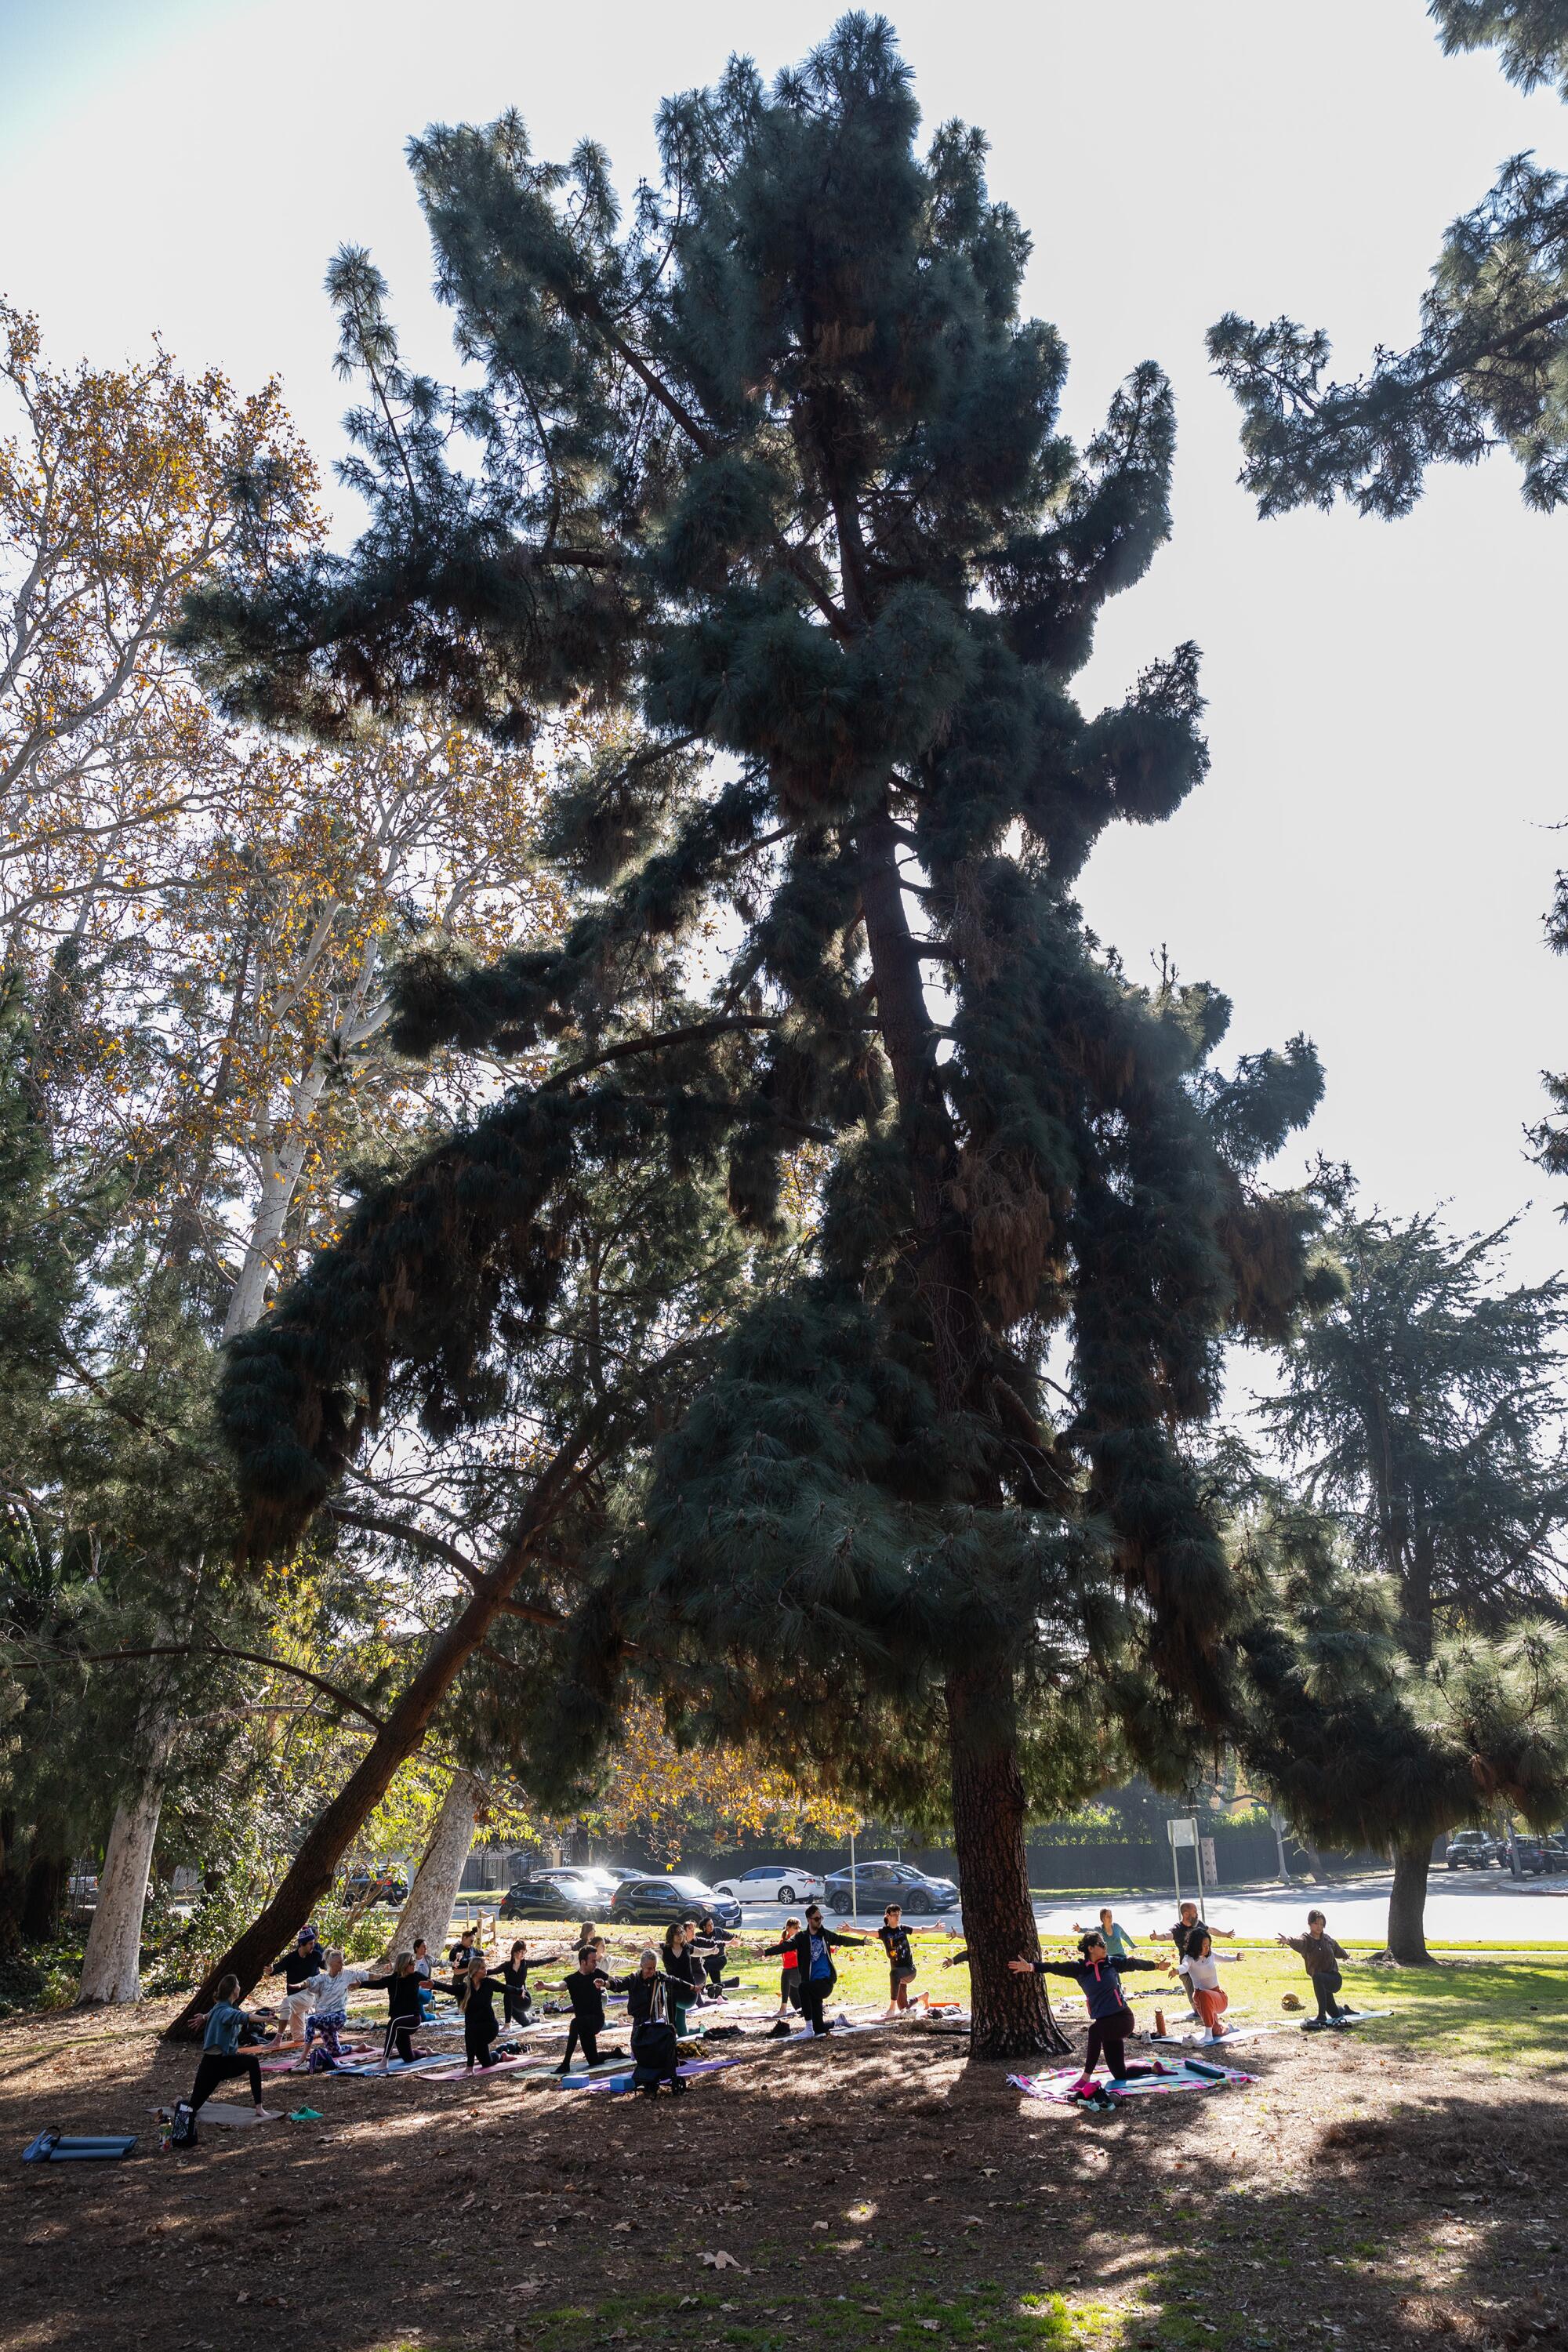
x=111, y=1964
x=46, y=1876
x=310, y=1875
x=1407, y=1905
x=428, y=1910
x=1009, y=2017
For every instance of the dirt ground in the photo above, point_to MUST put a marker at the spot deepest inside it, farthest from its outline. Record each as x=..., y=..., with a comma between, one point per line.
x=874, y=2190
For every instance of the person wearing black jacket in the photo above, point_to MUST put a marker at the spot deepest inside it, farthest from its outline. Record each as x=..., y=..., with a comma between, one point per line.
x=475, y=1993
x=405, y=2011
x=681, y=1964
x=894, y=1938
x=584, y=1991
x=304, y=1960
x=1098, y=1977
x=517, y=2001
x=814, y=1949
x=711, y=1943
x=650, y=1995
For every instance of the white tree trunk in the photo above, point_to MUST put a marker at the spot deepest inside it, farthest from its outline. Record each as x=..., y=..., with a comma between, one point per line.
x=111, y=1965
x=428, y=1910
x=279, y=1176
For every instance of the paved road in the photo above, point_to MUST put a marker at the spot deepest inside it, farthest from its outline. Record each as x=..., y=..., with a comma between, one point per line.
x=1462, y=1906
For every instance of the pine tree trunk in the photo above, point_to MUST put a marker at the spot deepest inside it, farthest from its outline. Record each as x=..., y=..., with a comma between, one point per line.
x=310, y=1875
x=46, y=1874
x=111, y=1964
x=1407, y=1905
x=428, y=1910
x=1009, y=2018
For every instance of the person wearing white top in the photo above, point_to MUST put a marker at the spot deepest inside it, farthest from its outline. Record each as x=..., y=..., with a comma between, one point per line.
x=332, y=1988
x=1202, y=1972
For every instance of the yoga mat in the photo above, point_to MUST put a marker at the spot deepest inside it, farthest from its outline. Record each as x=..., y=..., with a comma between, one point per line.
x=1057, y=2087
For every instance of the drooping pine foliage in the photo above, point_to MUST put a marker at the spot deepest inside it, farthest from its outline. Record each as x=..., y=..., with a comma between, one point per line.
x=1487, y=372
x=778, y=461
x=1530, y=36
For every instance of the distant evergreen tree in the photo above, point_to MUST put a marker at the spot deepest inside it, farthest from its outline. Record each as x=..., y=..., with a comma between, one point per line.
x=1424, y=1411
x=781, y=464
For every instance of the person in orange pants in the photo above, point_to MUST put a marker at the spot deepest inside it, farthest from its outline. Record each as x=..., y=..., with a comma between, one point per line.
x=1203, y=1975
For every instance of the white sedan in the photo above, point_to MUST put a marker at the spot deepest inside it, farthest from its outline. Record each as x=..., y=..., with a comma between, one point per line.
x=774, y=1882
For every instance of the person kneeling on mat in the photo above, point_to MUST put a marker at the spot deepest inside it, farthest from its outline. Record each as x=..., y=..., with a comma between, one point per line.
x=221, y=2054
x=650, y=1997
x=1322, y=1957
x=1201, y=1970
x=405, y=2008
x=1111, y=2021
x=475, y=1993
x=326, y=2023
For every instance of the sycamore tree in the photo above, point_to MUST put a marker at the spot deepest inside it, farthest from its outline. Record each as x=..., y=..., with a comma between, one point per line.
x=1422, y=1414
x=775, y=460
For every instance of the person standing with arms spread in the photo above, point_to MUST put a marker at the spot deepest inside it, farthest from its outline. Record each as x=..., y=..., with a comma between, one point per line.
x=894, y=1938
x=814, y=1949
x=221, y=2054
x=1118, y=1942
x=584, y=1991
x=1322, y=1957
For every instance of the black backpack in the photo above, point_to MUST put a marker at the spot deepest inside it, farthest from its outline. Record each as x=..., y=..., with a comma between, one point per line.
x=182, y=2129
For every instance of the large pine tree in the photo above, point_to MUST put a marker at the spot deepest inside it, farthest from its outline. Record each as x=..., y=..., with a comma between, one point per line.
x=778, y=462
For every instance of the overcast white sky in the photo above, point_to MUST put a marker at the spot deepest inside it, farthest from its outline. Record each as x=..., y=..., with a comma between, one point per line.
x=1372, y=856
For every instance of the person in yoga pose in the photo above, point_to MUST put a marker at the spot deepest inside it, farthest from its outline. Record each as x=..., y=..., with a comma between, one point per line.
x=221, y=2054
x=1322, y=1957
x=789, y=1970
x=1201, y=1970
x=649, y=1997
x=303, y=1961
x=517, y=2001
x=894, y=1938
x=1111, y=2021
x=405, y=2008
x=814, y=1949
x=327, y=2020
x=1118, y=1942
x=475, y=1993
x=711, y=1943
x=683, y=1968
x=584, y=1991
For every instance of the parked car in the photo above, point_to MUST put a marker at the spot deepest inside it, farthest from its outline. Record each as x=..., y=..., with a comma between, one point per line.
x=655, y=1902
x=1473, y=1850
x=619, y=1870
x=774, y=1882
x=572, y=1891
x=360, y=1886
x=1536, y=1855
x=877, y=1884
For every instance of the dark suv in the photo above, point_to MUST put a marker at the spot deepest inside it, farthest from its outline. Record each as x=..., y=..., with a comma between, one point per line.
x=564, y=1893
x=1473, y=1850
x=655, y=1902
x=877, y=1884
